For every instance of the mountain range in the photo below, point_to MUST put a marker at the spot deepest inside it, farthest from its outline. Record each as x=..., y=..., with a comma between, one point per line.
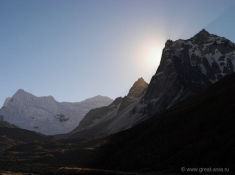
x=45, y=114
x=186, y=67
x=197, y=132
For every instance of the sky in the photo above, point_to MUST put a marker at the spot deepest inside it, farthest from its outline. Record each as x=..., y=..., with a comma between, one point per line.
x=77, y=49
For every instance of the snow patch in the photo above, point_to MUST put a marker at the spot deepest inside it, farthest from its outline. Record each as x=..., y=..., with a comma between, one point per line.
x=209, y=58
x=217, y=55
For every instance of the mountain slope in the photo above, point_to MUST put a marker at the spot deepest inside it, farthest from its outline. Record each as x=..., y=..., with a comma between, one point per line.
x=7, y=125
x=11, y=136
x=45, y=114
x=110, y=119
x=197, y=132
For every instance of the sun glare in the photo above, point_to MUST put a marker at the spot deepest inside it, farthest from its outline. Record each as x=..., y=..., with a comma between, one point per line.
x=154, y=57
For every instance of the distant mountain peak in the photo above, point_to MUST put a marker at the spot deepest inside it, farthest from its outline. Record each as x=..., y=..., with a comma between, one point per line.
x=98, y=98
x=46, y=115
x=22, y=94
x=20, y=90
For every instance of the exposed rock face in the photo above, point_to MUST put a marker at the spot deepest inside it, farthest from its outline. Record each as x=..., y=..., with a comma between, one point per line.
x=136, y=91
x=104, y=114
x=138, y=88
x=96, y=114
x=188, y=66
x=45, y=114
x=112, y=118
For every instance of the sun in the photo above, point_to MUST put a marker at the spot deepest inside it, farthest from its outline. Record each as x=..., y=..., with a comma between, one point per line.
x=154, y=57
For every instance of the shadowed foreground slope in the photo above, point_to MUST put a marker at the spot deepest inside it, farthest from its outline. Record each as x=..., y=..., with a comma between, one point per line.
x=198, y=132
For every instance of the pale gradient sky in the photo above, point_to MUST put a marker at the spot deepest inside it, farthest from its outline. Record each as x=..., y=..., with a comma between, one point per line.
x=77, y=49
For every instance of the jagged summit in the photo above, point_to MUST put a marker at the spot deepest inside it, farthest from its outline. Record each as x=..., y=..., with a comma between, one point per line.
x=202, y=32
x=137, y=89
x=202, y=36
x=188, y=66
x=140, y=79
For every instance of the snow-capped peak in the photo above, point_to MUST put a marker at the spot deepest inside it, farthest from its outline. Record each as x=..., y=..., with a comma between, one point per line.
x=188, y=66
x=45, y=114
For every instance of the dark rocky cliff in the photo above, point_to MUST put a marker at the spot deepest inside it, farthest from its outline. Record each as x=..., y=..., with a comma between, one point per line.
x=187, y=67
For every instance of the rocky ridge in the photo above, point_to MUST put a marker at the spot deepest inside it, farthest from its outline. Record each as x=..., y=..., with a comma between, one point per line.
x=112, y=118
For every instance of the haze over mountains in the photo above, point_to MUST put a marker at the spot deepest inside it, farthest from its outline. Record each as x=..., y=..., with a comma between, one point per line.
x=45, y=114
